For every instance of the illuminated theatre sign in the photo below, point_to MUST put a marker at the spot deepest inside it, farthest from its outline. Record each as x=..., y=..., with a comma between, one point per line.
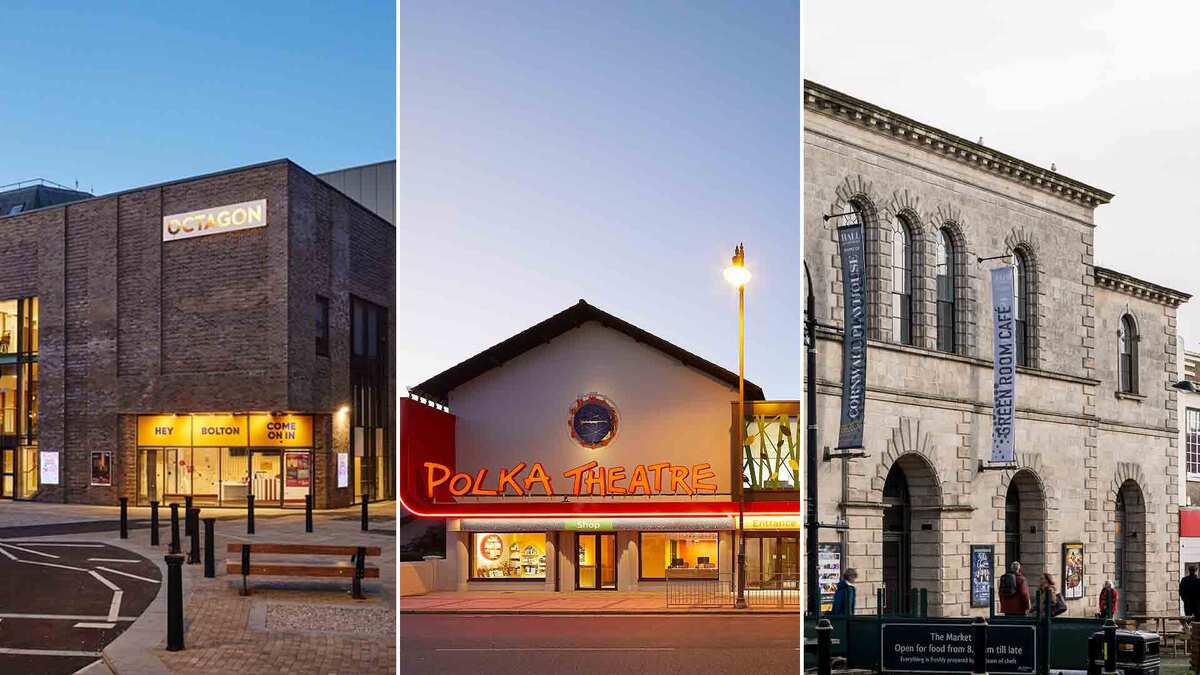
x=216, y=220
x=663, y=478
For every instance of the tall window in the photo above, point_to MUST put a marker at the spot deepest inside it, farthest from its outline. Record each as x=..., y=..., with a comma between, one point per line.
x=369, y=417
x=322, y=326
x=902, y=271
x=1192, y=442
x=1127, y=339
x=1021, y=308
x=945, y=291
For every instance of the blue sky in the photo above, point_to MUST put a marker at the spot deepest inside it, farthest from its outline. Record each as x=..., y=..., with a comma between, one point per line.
x=611, y=151
x=119, y=95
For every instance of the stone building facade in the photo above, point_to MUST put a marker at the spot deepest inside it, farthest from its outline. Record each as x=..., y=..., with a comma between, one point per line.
x=126, y=328
x=1096, y=419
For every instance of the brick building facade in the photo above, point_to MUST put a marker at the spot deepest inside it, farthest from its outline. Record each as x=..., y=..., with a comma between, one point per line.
x=235, y=332
x=1096, y=418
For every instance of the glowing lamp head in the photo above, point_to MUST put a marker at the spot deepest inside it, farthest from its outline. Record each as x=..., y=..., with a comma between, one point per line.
x=344, y=410
x=737, y=274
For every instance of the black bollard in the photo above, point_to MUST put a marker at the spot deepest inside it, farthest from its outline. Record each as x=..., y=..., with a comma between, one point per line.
x=194, y=537
x=210, y=564
x=174, y=528
x=124, y=517
x=154, y=523
x=308, y=513
x=249, y=514
x=979, y=631
x=1110, y=647
x=174, y=602
x=187, y=516
x=364, y=513
x=824, y=647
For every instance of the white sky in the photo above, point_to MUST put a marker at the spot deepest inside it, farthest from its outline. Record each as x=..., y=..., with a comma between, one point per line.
x=1108, y=91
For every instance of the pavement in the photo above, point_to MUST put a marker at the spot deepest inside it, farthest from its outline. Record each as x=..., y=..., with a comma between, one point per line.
x=292, y=625
x=570, y=602
x=587, y=644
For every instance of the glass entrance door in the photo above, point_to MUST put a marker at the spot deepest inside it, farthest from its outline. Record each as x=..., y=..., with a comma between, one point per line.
x=266, y=477
x=596, y=562
x=8, y=472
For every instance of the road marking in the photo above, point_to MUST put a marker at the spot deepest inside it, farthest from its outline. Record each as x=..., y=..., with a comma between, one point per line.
x=44, y=564
x=29, y=550
x=555, y=649
x=38, y=543
x=7, y=554
x=121, y=560
x=106, y=582
x=127, y=574
x=65, y=617
x=89, y=624
x=114, y=609
x=45, y=652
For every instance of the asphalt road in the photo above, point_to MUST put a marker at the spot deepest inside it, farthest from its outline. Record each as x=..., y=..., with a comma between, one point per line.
x=62, y=602
x=586, y=644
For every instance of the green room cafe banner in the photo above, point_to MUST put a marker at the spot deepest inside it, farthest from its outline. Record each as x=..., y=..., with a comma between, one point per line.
x=1004, y=366
x=854, y=337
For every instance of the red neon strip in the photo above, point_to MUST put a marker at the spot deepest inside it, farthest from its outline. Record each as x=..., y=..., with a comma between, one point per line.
x=600, y=509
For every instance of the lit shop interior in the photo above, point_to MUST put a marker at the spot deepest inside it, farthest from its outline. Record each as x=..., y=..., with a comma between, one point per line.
x=18, y=397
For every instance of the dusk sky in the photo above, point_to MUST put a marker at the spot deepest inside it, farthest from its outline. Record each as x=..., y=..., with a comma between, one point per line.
x=1103, y=90
x=614, y=152
x=121, y=95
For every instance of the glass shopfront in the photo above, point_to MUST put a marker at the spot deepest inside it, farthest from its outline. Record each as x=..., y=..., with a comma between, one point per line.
x=218, y=460
x=772, y=560
x=512, y=556
x=688, y=555
x=18, y=398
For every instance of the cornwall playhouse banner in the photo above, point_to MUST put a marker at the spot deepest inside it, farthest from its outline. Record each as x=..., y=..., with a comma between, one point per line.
x=854, y=339
x=1004, y=366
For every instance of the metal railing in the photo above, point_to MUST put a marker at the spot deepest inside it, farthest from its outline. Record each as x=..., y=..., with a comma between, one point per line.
x=779, y=590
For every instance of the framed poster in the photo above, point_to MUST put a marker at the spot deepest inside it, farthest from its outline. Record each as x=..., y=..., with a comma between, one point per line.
x=48, y=468
x=101, y=467
x=343, y=469
x=983, y=570
x=829, y=572
x=1072, y=571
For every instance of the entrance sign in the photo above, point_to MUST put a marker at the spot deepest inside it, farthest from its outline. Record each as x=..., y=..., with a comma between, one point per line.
x=284, y=431
x=771, y=523
x=48, y=471
x=947, y=648
x=216, y=220
x=983, y=565
x=1004, y=366
x=854, y=336
x=585, y=479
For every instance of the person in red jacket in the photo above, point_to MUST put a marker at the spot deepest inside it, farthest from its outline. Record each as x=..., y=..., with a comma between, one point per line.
x=1108, y=601
x=1014, y=592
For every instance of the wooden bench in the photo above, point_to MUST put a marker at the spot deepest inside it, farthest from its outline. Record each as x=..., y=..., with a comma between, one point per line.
x=357, y=569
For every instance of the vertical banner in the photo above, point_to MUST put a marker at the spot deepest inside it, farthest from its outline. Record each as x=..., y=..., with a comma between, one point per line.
x=1004, y=366
x=1072, y=571
x=982, y=569
x=854, y=339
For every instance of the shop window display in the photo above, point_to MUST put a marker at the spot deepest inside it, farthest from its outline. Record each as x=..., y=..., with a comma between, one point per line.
x=512, y=555
x=686, y=554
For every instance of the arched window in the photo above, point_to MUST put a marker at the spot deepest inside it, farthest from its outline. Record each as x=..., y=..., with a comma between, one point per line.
x=902, y=274
x=1127, y=339
x=945, y=291
x=1021, y=307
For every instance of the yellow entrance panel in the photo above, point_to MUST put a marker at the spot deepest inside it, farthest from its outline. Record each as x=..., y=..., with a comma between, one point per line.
x=281, y=431
x=219, y=431
x=164, y=431
x=772, y=523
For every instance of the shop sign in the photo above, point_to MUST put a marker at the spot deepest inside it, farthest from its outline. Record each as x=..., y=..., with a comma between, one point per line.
x=218, y=431
x=164, y=431
x=854, y=336
x=1004, y=367
x=947, y=648
x=585, y=479
x=772, y=523
x=283, y=431
x=49, y=468
x=216, y=220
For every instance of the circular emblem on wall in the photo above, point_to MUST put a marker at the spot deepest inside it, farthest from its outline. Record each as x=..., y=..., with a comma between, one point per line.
x=491, y=547
x=593, y=421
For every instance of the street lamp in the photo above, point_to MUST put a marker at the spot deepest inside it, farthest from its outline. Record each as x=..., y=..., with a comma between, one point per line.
x=739, y=276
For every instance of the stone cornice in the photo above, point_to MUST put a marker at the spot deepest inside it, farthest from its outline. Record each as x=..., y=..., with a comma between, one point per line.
x=855, y=111
x=1123, y=283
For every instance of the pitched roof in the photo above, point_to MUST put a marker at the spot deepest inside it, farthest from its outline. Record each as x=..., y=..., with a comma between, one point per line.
x=438, y=387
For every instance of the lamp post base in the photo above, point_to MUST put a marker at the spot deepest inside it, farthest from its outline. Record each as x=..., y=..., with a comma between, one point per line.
x=740, y=602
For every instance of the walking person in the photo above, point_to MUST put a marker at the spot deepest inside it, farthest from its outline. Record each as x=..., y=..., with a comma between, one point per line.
x=1047, y=594
x=1013, y=592
x=1108, y=601
x=1189, y=593
x=846, y=594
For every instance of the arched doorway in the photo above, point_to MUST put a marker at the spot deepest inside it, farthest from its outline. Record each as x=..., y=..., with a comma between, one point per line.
x=1129, y=538
x=911, y=534
x=1025, y=525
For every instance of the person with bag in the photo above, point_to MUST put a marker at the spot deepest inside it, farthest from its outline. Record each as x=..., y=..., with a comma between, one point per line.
x=1108, y=601
x=1013, y=592
x=1048, y=591
x=846, y=594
